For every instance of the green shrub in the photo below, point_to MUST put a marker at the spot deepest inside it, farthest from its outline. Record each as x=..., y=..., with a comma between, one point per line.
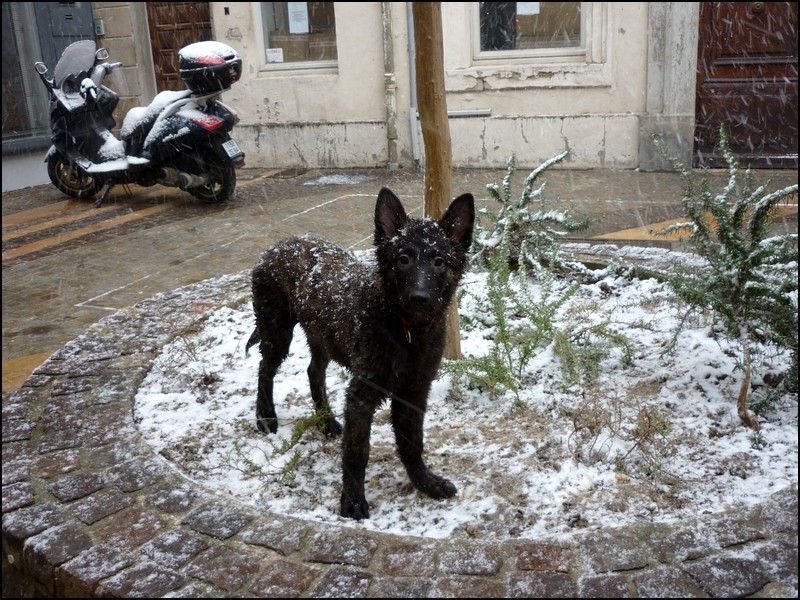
x=751, y=280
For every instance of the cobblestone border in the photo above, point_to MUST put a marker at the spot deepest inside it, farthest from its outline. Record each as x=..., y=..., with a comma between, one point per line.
x=90, y=510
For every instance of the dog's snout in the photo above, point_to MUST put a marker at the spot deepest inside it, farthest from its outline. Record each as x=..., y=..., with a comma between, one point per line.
x=419, y=297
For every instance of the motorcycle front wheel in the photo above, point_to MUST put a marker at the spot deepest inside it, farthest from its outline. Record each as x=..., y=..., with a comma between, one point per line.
x=71, y=180
x=223, y=179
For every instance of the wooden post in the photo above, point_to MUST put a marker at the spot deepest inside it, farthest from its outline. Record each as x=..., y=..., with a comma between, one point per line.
x=432, y=104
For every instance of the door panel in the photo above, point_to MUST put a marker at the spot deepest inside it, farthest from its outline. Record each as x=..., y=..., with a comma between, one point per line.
x=747, y=80
x=174, y=25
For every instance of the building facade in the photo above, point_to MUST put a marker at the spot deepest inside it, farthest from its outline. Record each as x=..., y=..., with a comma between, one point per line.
x=332, y=84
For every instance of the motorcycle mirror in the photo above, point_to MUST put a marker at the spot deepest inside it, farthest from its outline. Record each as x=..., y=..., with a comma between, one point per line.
x=41, y=68
x=101, y=54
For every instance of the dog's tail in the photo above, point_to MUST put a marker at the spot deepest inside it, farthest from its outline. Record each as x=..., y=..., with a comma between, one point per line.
x=254, y=339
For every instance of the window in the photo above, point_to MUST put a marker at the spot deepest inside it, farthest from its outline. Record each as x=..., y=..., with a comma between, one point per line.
x=529, y=27
x=299, y=32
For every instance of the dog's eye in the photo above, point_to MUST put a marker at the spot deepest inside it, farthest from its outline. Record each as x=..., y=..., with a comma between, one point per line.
x=404, y=260
x=438, y=262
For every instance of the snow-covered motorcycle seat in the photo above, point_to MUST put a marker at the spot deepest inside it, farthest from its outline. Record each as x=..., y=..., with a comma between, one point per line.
x=140, y=119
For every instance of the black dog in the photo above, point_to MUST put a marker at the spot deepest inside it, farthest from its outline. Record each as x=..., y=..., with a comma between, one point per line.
x=384, y=322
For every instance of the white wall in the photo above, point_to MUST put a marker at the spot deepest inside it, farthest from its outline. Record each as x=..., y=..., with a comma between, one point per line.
x=337, y=117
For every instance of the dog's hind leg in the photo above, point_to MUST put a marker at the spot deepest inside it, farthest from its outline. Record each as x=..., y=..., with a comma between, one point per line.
x=274, y=347
x=407, y=421
x=316, y=379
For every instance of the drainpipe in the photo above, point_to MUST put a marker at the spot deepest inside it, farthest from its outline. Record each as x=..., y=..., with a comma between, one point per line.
x=413, y=113
x=389, y=87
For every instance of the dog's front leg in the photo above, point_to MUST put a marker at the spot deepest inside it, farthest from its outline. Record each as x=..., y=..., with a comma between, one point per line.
x=360, y=405
x=408, y=415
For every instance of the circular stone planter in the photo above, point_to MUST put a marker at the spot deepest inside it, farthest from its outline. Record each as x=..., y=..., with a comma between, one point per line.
x=90, y=510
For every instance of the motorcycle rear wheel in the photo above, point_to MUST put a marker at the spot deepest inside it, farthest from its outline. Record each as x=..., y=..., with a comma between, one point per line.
x=70, y=180
x=223, y=180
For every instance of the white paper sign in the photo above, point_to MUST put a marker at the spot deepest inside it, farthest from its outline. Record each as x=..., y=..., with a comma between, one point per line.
x=524, y=8
x=298, y=17
x=274, y=55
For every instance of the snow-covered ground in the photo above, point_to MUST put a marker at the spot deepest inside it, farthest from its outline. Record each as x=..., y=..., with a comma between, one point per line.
x=656, y=438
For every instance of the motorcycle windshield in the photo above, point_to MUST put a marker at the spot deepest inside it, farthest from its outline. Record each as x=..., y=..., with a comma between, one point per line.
x=76, y=61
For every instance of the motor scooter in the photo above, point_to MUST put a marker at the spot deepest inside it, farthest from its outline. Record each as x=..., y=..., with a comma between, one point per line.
x=181, y=139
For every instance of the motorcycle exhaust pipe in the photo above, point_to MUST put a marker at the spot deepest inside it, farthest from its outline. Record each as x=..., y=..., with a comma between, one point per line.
x=188, y=181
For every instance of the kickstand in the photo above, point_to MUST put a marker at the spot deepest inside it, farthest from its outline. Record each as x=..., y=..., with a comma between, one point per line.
x=105, y=195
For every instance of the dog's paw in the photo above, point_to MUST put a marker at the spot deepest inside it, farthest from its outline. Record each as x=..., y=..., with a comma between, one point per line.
x=331, y=427
x=437, y=487
x=267, y=425
x=352, y=508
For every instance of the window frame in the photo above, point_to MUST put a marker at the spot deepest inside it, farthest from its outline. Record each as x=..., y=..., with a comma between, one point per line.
x=318, y=66
x=529, y=55
x=469, y=69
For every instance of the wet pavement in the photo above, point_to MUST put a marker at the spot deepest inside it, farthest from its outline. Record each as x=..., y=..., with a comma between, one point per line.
x=88, y=509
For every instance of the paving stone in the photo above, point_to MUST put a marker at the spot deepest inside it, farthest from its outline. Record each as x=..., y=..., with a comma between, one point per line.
x=466, y=587
x=99, y=506
x=142, y=580
x=668, y=582
x=71, y=404
x=195, y=589
x=88, y=369
x=342, y=582
x=341, y=548
x=281, y=535
x=409, y=560
x=130, y=528
x=50, y=548
x=728, y=577
x=225, y=567
x=57, y=463
x=471, y=559
x=682, y=545
x=543, y=557
x=399, y=587
x=60, y=432
x=16, y=471
x=613, y=551
x=283, y=579
x=172, y=498
x=541, y=584
x=136, y=474
x=73, y=487
x=72, y=386
x=778, y=558
x=780, y=513
x=17, y=495
x=78, y=578
x=173, y=548
x=215, y=520
x=727, y=532
x=104, y=425
x=605, y=586
x=21, y=450
x=17, y=429
x=19, y=404
x=24, y=523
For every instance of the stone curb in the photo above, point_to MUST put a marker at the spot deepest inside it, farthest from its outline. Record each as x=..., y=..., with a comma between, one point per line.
x=90, y=510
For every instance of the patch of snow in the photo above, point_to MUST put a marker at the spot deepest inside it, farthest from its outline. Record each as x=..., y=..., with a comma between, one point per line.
x=565, y=456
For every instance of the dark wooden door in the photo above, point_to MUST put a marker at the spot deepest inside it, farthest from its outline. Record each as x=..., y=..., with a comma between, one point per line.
x=747, y=80
x=174, y=25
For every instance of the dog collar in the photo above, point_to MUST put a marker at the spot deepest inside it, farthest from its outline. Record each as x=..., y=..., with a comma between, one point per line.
x=407, y=326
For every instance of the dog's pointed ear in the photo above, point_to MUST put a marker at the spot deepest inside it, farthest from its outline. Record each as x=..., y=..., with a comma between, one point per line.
x=390, y=216
x=459, y=220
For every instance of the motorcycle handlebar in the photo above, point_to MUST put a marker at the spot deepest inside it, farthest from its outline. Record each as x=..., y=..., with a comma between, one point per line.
x=100, y=71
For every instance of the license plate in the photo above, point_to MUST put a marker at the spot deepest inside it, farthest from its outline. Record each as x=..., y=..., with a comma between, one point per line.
x=232, y=148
